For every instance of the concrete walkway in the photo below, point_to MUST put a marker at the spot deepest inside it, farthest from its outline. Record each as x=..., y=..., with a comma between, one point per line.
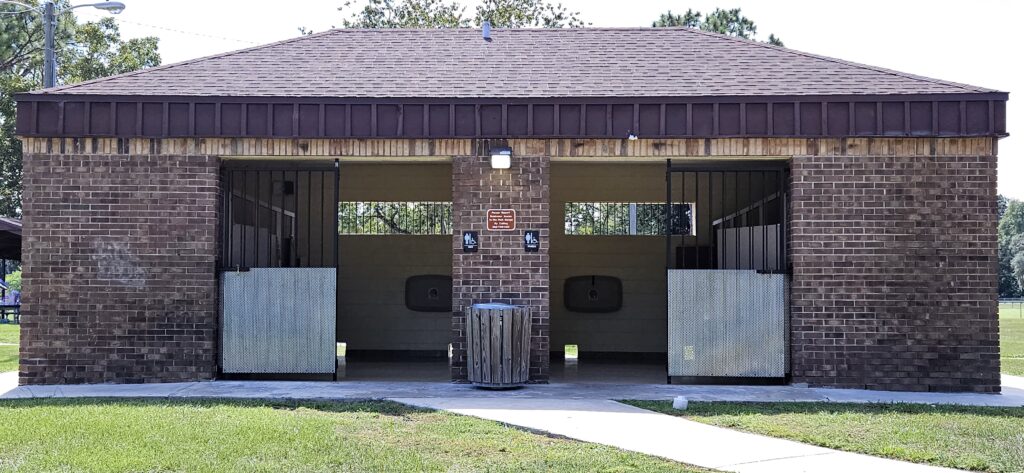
x=630, y=428
x=1013, y=392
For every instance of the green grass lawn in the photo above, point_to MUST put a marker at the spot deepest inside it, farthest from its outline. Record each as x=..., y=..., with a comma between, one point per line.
x=1011, y=339
x=8, y=358
x=214, y=436
x=973, y=438
x=10, y=333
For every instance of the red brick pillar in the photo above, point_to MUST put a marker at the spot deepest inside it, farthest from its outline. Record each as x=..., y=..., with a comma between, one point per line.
x=501, y=270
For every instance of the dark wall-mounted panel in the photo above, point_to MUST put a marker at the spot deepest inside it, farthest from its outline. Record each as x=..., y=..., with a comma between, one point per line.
x=797, y=116
x=429, y=293
x=593, y=294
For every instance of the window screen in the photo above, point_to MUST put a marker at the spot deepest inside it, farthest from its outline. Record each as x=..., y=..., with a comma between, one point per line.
x=622, y=218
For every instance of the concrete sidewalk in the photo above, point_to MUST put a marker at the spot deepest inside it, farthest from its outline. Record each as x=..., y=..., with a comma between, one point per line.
x=1013, y=392
x=630, y=428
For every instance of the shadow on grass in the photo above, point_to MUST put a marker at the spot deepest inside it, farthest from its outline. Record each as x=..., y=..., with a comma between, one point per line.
x=387, y=408
x=712, y=409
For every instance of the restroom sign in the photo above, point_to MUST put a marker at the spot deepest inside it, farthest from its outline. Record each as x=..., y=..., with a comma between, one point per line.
x=470, y=242
x=501, y=219
x=531, y=240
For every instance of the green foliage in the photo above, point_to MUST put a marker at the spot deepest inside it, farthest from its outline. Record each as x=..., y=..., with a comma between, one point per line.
x=1011, y=247
x=406, y=14
x=84, y=51
x=13, y=280
x=452, y=14
x=727, y=22
x=395, y=218
x=526, y=14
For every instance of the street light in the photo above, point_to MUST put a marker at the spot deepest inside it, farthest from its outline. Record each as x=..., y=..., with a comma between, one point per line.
x=50, y=12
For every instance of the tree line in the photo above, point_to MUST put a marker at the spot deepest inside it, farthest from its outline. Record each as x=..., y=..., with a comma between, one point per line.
x=1011, y=247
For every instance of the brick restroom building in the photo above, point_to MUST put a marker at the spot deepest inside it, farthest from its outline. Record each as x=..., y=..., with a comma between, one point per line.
x=709, y=209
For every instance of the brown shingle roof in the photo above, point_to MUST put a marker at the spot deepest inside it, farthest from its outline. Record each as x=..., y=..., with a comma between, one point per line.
x=528, y=63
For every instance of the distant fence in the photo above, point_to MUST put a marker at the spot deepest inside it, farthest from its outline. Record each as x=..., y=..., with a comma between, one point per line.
x=1011, y=306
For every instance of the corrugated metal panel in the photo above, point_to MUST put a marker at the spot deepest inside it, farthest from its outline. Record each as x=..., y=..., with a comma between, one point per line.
x=727, y=323
x=279, y=320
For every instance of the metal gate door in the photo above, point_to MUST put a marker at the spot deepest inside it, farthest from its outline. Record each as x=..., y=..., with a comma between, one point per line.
x=726, y=278
x=279, y=264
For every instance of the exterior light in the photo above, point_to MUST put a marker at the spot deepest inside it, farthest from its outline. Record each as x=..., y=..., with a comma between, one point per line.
x=632, y=137
x=112, y=7
x=501, y=158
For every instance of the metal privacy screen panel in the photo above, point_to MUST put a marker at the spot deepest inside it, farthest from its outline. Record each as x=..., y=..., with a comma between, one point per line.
x=726, y=323
x=279, y=320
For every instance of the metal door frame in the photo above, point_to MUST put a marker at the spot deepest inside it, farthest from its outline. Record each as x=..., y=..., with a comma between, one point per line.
x=780, y=169
x=225, y=238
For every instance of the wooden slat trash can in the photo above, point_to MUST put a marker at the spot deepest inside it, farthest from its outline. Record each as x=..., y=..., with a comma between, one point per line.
x=498, y=340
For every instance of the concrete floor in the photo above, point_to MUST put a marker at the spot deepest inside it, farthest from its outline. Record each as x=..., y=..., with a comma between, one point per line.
x=1012, y=396
x=570, y=371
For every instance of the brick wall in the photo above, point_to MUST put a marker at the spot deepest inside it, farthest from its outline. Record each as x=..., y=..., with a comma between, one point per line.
x=501, y=268
x=894, y=272
x=119, y=268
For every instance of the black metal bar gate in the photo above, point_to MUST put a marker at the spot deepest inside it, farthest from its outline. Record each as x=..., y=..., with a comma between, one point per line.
x=725, y=259
x=278, y=266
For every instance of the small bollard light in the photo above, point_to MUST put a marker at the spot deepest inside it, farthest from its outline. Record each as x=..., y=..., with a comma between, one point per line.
x=680, y=403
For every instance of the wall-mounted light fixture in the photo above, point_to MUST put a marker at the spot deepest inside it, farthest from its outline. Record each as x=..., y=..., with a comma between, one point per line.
x=501, y=158
x=632, y=137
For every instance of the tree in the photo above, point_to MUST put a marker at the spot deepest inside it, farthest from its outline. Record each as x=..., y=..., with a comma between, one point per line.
x=451, y=14
x=83, y=51
x=727, y=22
x=1011, y=249
x=526, y=14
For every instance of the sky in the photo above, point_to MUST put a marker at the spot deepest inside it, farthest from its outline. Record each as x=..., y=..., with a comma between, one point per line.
x=976, y=42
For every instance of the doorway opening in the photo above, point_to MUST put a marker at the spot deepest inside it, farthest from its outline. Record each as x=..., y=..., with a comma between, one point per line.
x=394, y=305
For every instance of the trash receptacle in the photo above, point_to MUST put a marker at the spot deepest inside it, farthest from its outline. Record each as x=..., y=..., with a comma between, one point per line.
x=498, y=345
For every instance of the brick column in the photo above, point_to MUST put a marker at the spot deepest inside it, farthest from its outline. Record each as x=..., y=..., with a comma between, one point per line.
x=119, y=255
x=501, y=271
x=894, y=272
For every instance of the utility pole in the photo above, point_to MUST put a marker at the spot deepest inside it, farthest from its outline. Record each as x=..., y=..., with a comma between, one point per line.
x=49, y=11
x=49, y=62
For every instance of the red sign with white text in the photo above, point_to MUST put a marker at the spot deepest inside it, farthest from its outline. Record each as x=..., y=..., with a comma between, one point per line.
x=501, y=219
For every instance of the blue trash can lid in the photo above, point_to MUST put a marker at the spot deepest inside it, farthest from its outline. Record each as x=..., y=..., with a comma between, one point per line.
x=493, y=305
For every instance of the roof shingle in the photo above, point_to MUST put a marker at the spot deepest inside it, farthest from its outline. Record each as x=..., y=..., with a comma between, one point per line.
x=518, y=63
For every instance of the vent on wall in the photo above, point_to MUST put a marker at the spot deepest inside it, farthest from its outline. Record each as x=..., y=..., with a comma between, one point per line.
x=593, y=294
